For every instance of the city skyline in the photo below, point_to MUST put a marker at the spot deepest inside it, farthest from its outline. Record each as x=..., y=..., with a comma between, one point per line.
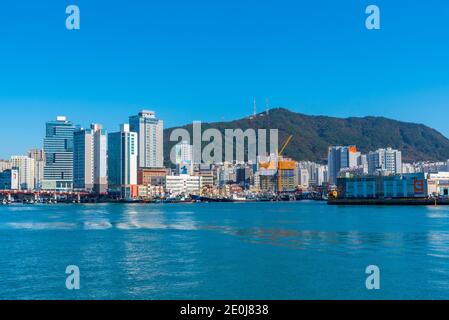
x=305, y=57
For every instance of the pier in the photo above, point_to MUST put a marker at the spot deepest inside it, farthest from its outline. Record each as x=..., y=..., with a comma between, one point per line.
x=30, y=197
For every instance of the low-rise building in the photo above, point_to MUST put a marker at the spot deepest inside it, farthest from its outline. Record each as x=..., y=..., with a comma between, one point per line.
x=183, y=184
x=9, y=179
x=378, y=187
x=438, y=184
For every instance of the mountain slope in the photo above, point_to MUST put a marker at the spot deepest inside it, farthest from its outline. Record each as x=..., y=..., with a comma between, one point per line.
x=313, y=135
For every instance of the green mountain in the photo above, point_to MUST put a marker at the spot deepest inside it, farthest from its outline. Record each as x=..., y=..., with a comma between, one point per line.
x=313, y=135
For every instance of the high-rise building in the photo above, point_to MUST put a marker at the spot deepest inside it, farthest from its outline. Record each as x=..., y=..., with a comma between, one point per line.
x=5, y=165
x=39, y=163
x=25, y=167
x=90, y=159
x=150, y=136
x=184, y=158
x=341, y=157
x=122, y=162
x=286, y=175
x=385, y=160
x=58, y=150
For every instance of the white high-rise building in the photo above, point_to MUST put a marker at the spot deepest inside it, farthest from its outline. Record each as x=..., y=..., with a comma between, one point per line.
x=150, y=135
x=90, y=159
x=122, y=161
x=184, y=158
x=385, y=160
x=303, y=178
x=25, y=165
x=39, y=162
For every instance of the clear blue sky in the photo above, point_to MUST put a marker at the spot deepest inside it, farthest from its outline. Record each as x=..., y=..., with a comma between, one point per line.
x=206, y=60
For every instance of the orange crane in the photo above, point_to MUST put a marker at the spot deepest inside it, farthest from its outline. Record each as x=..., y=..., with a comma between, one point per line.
x=285, y=144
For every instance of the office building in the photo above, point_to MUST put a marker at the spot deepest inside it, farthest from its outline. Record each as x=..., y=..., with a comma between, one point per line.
x=90, y=159
x=122, y=162
x=25, y=167
x=58, y=152
x=39, y=162
x=150, y=139
x=9, y=179
x=341, y=157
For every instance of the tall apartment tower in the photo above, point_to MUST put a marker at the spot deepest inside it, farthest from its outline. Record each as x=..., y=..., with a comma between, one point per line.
x=122, y=161
x=150, y=139
x=58, y=152
x=39, y=163
x=387, y=160
x=90, y=159
x=25, y=167
x=341, y=157
x=184, y=158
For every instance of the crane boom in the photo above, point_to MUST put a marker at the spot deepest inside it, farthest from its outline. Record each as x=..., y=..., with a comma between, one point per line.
x=285, y=144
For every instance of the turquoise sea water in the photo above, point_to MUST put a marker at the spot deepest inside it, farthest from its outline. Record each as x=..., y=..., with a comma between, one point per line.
x=290, y=250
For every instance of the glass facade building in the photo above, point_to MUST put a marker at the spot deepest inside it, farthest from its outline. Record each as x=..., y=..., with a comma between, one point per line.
x=150, y=133
x=58, y=150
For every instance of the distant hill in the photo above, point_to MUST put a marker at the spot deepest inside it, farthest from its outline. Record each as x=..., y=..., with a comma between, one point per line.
x=313, y=135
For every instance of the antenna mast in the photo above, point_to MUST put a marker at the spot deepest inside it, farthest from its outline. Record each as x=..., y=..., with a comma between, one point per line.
x=255, y=110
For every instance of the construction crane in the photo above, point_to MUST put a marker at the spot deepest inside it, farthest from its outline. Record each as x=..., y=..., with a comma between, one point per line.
x=285, y=144
x=281, y=161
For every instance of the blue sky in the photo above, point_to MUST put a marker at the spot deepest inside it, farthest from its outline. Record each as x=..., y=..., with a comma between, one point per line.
x=206, y=60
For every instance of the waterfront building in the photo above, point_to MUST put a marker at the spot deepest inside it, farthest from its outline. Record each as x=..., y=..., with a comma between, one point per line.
x=150, y=139
x=5, y=165
x=304, y=179
x=286, y=175
x=25, y=167
x=206, y=180
x=387, y=160
x=90, y=159
x=151, y=176
x=150, y=192
x=438, y=184
x=408, y=168
x=381, y=187
x=354, y=171
x=183, y=184
x=226, y=174
x=9, y=179
x=39, y=162
x=184, y=158
x=122, y=162
x=58, y=153
x=341, y=157
x=267, y=167
x=244, y=175
x=317, y=173
x=207, y=173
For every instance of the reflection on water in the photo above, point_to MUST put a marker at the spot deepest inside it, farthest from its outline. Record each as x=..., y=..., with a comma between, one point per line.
x=223, y=251
x=41, y=225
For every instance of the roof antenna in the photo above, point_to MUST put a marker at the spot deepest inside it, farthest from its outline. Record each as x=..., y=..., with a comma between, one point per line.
x=267, y=107
x=255, y=111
